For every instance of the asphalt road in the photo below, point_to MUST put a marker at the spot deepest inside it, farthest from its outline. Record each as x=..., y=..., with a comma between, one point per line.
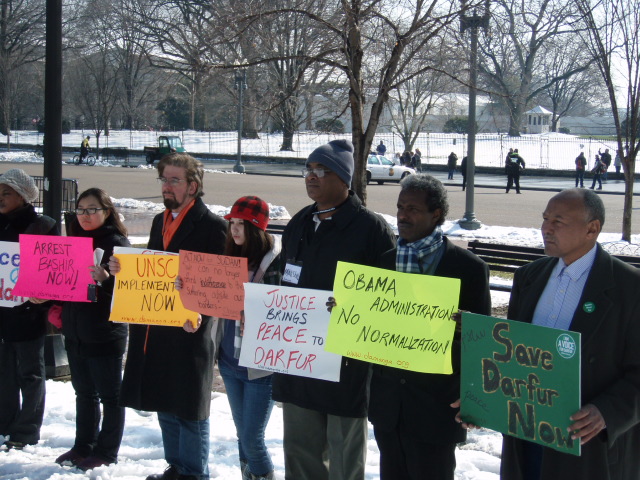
x=492, y=205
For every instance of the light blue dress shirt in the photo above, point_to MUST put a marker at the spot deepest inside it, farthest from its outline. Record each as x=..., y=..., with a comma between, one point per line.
x=561, y=296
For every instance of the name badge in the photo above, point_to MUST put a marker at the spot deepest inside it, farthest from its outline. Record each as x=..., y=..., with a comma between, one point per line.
x=292, y=273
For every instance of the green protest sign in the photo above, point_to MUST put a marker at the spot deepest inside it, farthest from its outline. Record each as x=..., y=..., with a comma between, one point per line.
x=520, y=379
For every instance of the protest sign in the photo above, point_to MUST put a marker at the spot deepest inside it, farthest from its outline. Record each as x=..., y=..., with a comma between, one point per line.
x=520, y=379
x=9, y=267
x=213, y=284
x=55, y=268
x=395, y=319
x=145, y=291
x=284, y=332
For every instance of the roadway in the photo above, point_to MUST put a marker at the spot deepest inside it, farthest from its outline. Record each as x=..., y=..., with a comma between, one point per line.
x=283, y=185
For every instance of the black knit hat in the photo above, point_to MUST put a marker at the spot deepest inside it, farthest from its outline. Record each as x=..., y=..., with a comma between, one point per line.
x=337, y=156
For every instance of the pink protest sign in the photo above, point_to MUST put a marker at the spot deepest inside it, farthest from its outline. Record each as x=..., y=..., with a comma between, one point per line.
x=56, y=268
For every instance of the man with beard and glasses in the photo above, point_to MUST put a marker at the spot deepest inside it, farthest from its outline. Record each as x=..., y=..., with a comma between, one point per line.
x=169, y=370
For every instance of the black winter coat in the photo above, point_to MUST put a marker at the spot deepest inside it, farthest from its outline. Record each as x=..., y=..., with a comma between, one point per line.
x=86, y=326
x=418, y=403
x=167, y=369
x=27, y=321
x=354, y=234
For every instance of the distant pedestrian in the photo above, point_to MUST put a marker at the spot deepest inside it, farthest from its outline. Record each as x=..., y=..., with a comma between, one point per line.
x=406, y=159
x=605, y=158
x=381, y=149
x=417, y=160
x=452, y=161
x=581, y=164
x=618, y=164
x=514, y=164
x=463, y=172
x=597, y=170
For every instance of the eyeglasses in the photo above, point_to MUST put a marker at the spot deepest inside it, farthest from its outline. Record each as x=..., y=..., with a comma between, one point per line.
x=318, y=172
x=88, y=211
x=171, y=181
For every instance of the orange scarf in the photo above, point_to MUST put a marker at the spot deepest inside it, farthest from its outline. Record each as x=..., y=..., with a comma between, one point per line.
x=170, y=225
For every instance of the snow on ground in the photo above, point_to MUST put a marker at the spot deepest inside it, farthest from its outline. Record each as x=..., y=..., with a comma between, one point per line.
x=550, y=151
x=141, y=452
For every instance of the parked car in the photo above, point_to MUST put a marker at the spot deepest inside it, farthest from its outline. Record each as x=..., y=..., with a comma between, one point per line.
x=380, y=169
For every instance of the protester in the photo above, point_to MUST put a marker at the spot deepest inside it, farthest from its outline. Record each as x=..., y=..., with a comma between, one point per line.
x=515, y=164
x=325, y=424
x=410, y=411
x=168, y=370
x=95, y=346
x=581, y=163
x=23, y=327
x=582, y=288
x=248, y=389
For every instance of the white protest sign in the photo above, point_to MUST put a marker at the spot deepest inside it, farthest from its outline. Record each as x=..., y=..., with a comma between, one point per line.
x=9, y=268
x=285, y=330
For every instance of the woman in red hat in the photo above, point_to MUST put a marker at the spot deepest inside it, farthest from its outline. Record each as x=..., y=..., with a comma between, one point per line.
x=248, y=389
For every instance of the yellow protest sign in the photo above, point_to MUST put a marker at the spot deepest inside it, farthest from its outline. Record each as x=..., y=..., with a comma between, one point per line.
x=145, y=292
x=395, y=319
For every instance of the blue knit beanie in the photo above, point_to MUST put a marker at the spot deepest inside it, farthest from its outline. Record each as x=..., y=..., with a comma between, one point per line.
x=337, y=156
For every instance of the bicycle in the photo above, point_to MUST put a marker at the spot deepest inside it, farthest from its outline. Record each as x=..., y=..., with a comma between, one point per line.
x=89, y=160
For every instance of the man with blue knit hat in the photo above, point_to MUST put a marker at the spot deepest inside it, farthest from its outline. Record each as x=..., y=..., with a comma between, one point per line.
x=325, y=423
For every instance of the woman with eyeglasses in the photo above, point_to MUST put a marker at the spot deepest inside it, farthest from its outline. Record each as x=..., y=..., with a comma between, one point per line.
x=248, y=389
x=94, y=345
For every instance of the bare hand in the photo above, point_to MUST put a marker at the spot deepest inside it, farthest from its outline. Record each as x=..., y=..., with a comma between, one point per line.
x=114, y=265
x=188, y=326
x=178, y=282
x=459, y=420
x=37, y=301
x=588, y=423
x=331, y=303
x=98, y=273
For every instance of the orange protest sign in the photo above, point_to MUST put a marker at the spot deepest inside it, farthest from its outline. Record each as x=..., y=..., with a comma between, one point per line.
x=213, y=284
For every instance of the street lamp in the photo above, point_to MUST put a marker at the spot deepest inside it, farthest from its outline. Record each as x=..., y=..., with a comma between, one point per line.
x=240, y=85
x=472, y=22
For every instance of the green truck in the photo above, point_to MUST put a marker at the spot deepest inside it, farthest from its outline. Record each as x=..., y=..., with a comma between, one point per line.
x=166, y=144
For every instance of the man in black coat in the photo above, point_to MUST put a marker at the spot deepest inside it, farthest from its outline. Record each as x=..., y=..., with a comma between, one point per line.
x=515, y=163
x=169, y=370
x=410, y=411
x=325, y=423
x=581, y=288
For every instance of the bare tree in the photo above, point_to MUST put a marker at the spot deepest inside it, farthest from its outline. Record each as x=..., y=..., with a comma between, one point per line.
x=22, y=32
x=516, y=45
x=613, y=35
x=373, y=45
x=568, y=94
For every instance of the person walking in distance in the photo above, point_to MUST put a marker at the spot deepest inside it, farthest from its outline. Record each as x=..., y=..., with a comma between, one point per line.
x=581, y=164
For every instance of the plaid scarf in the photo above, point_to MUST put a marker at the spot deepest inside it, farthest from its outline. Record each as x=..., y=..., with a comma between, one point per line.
x=416, y=257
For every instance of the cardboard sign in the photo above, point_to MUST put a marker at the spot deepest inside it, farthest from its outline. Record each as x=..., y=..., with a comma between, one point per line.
x=213, y=284
x=9, y=267
x=55, y=268
x=395, y=319
x=520, y=379
x=284, y=331
x=145, y=291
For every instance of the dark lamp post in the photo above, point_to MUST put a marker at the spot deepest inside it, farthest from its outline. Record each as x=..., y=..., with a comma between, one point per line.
x=472, y=22
x=241, y=86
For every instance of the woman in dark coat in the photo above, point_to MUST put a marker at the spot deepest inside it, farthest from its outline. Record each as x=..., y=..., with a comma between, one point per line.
x=95, y=346
x=22, y=327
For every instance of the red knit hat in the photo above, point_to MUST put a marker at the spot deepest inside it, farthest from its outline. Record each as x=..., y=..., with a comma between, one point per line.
x=253, y=209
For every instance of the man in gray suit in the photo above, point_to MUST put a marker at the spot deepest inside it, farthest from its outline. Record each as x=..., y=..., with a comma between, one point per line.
x=582, y=288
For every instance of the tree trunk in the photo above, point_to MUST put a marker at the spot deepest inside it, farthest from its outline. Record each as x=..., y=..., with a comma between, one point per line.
x=629, y=167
